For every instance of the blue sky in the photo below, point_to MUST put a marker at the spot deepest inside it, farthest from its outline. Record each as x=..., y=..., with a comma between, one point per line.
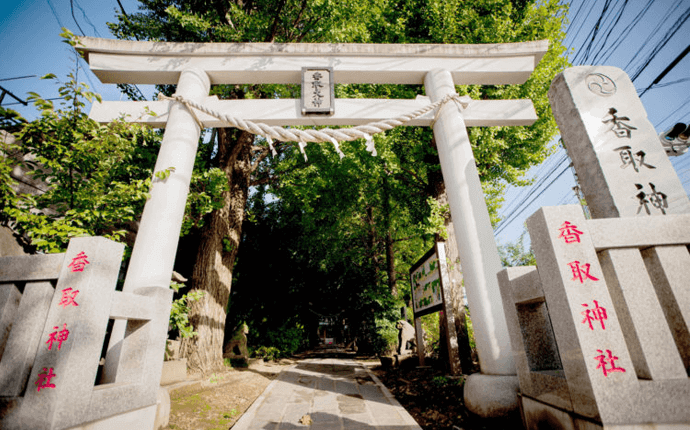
x=31, y=46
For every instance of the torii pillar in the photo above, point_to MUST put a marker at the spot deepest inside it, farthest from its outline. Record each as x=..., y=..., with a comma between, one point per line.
x=438, y=67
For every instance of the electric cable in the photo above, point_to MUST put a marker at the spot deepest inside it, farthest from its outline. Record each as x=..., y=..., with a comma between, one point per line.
x=598, y=45
x=71, y=6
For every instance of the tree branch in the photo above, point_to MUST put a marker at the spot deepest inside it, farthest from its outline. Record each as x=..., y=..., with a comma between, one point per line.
x=402, y=239
x=406, y=180
x=308, y=28
x=413, y=174
x=265, y=180
x=270, y=37
x=260, y=158
x=299, y=15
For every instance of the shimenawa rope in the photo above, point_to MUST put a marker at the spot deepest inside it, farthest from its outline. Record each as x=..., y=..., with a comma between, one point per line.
x=271, y=133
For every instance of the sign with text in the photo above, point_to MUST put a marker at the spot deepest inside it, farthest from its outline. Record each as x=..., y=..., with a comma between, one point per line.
x=425, y=278
x=318, y=93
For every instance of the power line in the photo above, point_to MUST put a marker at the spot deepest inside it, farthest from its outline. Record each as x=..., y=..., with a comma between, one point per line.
x=71, y=6
x=4, y=91
x=668, y=69
x=535, y=188
x=86, y=18
x=501, y=228
x=18, y=77
x=122, y=9
x=598, y=45
x=669, y=34
x=682, y=105
x=610, y=30
x=679, y=81
x=57, y=18
x=17, y=103
x=623, y=36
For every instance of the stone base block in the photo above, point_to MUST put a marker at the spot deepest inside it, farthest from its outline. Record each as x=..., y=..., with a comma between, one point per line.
x=492, y=396
x=162, y=409
x=538, y=415
x=174, y=371
x=142, y=419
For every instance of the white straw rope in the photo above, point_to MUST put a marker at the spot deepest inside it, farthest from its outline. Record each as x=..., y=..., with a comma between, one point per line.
x=272, y=133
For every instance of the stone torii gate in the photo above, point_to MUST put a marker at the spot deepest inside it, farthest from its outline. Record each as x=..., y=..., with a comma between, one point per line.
x=195, y=66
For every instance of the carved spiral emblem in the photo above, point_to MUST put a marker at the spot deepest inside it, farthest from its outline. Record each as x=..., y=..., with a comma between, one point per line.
x=600, y=84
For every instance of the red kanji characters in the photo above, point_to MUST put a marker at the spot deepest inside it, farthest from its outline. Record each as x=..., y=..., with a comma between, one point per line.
x=58, y=336
x=44, y=379
x=581, y=273
x=596, y=314
x=569, y=233
x=68, y=297
x=610, y=360
x=78, y=263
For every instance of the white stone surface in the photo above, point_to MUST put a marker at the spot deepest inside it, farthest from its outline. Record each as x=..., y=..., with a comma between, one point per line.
x=475, y=237
x=641, y=232
x=669, y=269
x=154, y=251
x=59, y=332
x=286, y=112
x=649, y=340
x=24, y=337
x=491, y=396
x=142, y=418
x=153, y=254
x=30, y=267
x=534, y=345
x=120, y=61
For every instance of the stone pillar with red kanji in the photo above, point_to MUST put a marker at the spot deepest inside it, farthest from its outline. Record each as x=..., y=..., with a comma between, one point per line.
x=594, y=355
x=61, y=381
x=622, y=168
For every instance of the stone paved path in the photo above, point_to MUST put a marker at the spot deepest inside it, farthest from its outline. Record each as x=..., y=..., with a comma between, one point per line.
x=334, y=393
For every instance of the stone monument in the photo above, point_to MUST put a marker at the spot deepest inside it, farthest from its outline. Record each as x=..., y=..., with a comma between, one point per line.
x=53, y=337
x=622, y=168
x=599, y=328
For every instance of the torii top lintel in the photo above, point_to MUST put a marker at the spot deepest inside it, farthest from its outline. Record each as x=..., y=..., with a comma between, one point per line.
x=135, y=62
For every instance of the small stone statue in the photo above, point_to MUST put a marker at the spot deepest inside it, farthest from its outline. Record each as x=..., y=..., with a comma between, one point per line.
x=236, y=347
x=406, y=337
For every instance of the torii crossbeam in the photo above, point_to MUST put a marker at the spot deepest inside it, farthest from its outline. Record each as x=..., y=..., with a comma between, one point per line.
x=195, y=66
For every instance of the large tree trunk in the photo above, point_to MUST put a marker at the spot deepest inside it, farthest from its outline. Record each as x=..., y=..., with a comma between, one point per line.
x=216, y=255
x=390, y=251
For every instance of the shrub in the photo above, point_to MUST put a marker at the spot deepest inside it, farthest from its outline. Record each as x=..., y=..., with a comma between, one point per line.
x=179, y=312
x=388, y=337
x=287, y=339
x=268, y=353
